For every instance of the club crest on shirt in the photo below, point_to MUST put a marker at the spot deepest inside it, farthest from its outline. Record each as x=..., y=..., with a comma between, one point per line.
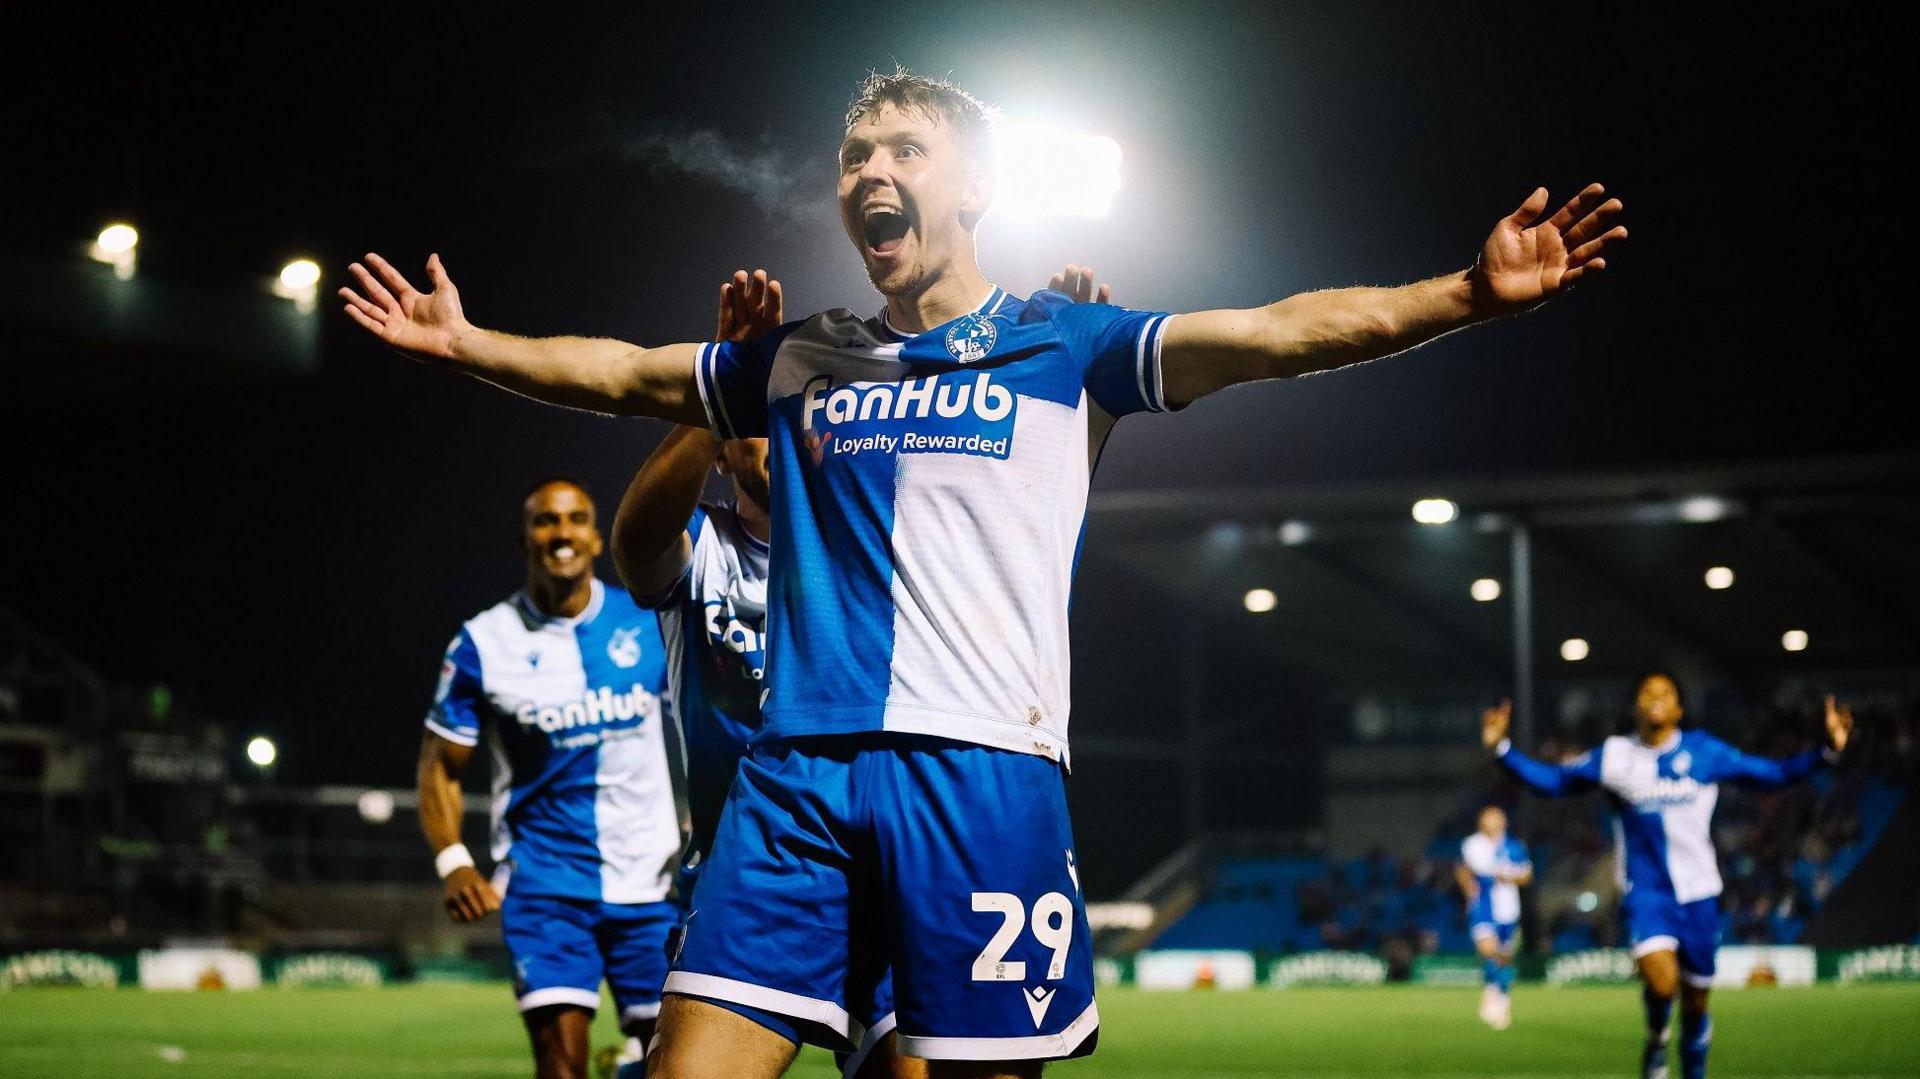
x=624, y=648
x=1681, y=762
x=971, y=338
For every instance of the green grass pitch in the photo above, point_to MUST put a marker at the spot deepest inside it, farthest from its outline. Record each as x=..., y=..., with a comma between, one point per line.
x=445, y=1030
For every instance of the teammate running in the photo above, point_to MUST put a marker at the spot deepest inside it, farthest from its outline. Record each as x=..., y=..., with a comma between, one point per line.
x=564, y=680
x=905, y=799
x=1663, y=783
x=1493, y=868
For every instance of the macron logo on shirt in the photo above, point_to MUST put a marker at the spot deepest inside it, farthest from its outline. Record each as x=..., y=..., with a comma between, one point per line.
x=955, y=412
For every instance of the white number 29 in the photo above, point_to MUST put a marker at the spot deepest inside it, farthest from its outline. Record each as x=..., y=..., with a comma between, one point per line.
x=1052, y=927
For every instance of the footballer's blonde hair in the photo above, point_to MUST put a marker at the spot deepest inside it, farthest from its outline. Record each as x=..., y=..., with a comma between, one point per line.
x=939, y=99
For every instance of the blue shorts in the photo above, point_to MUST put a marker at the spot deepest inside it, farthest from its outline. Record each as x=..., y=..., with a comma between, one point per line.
x=954, y=862
x=1659, y=923
x=563, y=948
x=1501, y=932
x=873, y=1011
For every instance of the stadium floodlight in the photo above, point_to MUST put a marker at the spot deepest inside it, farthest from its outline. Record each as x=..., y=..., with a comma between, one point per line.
x=1048, y=171
x=1485, y=590
x=117, y=246
x=299, y=281
x=1701, y=509
x=1719, y=578
x=300, y=273
x=375, y=806
x=1260, y=600
x=1435, y=511
x=1295, y=533
x=1794, y=640
x=1574, y=649
x=262, y=752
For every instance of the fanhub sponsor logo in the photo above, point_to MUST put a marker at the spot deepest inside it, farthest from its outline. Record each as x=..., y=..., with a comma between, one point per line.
x=1666, y=792
x=734, y=635
x=593, y=708
x=956, y=412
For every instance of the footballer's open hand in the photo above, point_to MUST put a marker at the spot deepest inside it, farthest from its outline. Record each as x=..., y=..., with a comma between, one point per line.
x=420, y=324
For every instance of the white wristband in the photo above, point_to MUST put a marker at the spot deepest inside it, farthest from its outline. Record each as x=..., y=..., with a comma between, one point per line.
x=452, y=858
x=1501, y=749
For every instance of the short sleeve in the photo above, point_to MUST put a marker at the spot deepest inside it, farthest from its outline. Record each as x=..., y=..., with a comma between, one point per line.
x=1118, y=351
x=1478, y=856
x=732, y=378
x=458, y=701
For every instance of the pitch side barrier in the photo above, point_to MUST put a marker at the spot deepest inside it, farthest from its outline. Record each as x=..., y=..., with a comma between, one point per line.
x=215, y=967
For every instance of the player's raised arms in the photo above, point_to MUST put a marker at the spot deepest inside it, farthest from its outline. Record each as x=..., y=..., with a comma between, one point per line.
x=594, y=373
x=1525, y=262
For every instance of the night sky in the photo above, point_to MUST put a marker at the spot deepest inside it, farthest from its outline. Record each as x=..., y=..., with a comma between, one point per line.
x=291, y=554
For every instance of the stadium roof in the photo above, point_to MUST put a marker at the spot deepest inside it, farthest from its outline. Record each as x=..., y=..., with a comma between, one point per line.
x=1367, y=597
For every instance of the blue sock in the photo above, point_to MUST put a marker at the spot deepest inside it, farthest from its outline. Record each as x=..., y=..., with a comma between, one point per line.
x=1696, y=1037
x=1659, y=1011
x=1490, y=971
x=1506, y=978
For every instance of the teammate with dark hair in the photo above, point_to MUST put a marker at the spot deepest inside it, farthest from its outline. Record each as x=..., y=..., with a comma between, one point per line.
x=1663, y=783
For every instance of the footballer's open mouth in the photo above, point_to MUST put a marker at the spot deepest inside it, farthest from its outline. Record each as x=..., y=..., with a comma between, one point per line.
x=884, y=228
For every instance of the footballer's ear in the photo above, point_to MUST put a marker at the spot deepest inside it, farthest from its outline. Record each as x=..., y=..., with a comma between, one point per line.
x=977, y=193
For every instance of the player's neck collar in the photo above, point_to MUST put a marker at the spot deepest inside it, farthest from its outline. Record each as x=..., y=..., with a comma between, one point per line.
x=597, y=596
x=996, y=298
x=1672, y=739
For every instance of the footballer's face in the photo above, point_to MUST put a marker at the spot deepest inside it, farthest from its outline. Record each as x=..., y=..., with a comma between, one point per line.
x=559, y=534
x=910, y=193
x=1656, y=708
x=744, y=461
x=1493, y=822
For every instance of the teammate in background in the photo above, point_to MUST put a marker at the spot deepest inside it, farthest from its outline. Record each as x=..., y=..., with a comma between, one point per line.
x=1493, y=868
x=564, y=680
x=1663, y=783
x=709, y=581
x=905, y=799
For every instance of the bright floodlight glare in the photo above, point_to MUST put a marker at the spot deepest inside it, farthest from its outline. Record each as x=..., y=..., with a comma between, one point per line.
x=1485, y=590
x=1295, y=533
x=300, y=274
x=118, y=239
x=376, y=806
x=262, y=751
x=1260, y=600
x=1719, y=577
x=1435, y=511
x=1794, y=640
x=1046, y=171
x=1587, y=902
x=1573, y=649
x=1702, y=508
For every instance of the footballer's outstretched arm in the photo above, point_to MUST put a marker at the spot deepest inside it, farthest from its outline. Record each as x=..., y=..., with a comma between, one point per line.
x=1525, y=262
x=593, y=373
x=1552, y=780
x=1767, y=773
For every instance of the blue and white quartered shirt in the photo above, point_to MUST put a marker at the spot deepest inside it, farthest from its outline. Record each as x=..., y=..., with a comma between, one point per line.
x=929, y=499
x=1663, y=798
x=713, y=620
x=1488, y=860
x=571, y=710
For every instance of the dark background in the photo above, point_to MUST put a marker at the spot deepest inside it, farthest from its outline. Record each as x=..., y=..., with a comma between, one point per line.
x=291, y=553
